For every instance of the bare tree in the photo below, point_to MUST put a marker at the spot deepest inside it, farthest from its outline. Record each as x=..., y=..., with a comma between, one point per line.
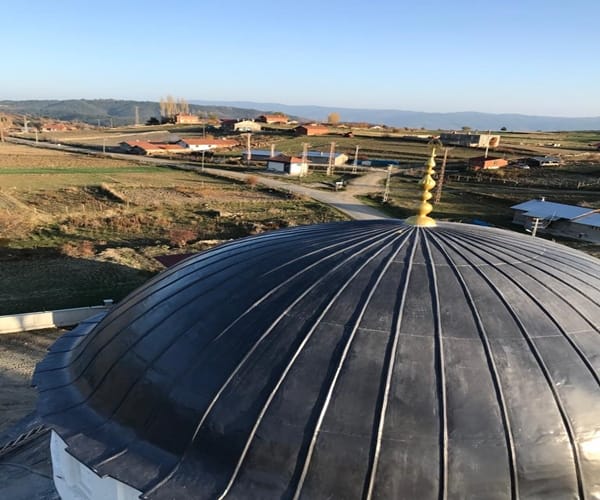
x=333, y=118
x=6, y=122
x=163, y=107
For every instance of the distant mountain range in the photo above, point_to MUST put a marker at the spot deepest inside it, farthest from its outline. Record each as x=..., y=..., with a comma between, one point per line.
x=122, y=112
x=432, y=121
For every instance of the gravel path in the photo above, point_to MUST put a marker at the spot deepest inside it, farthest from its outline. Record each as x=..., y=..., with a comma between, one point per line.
x=19, y=353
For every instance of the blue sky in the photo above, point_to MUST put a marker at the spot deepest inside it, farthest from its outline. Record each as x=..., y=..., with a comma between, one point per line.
x=511, y=56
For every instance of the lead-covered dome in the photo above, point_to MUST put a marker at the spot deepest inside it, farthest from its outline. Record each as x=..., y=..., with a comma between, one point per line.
x=352, y=360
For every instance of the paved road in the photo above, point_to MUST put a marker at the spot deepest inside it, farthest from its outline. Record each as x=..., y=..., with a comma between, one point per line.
x=344, y=200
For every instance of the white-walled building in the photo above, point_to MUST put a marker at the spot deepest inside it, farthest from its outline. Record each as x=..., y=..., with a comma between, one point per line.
x=285, y=164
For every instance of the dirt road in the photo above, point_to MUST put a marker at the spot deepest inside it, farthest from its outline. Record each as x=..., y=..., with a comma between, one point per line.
x=343, y=200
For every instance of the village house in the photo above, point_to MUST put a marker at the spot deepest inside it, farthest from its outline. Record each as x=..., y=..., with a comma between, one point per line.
x=183, y=118
x=470, y=140
x=273, y=118
x=57, y=127
x=558, y=219
x=193, y=144
x=285, y=164
x=311, y=130
x=487, y=163
x=260, y=154
x=139, y=147
x=240, y=126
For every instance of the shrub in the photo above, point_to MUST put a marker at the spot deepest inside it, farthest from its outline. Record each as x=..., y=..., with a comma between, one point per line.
x=252, y=181
x=181, y=237
x=78, y=249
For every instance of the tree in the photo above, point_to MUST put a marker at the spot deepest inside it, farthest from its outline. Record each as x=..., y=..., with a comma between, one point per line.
x=171, y=107
x=503, y=129
x=333, y=118
x=466, y=129
x=153, y=121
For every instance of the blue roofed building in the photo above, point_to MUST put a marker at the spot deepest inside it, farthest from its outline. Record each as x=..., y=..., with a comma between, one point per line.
x=558, y=219
x=260, y=154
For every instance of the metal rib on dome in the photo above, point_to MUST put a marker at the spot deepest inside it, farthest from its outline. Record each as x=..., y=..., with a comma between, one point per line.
x=353, y=360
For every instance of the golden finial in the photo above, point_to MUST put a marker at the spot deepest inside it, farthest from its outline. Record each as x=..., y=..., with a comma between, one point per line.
x=427, y=183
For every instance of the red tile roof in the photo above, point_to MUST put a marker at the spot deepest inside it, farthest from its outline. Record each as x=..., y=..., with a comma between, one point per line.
x=147, y=145
x=172, y=147
x=201, y=141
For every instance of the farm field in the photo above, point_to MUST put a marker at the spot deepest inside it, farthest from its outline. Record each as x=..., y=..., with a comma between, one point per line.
x=103, y=220
x=75, y=230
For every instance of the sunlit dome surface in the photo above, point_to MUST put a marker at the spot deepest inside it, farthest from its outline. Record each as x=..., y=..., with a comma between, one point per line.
x=352, y=360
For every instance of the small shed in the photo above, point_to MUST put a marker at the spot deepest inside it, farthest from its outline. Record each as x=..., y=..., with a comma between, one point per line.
x=285, y=164
x=322, y=158
x=543, y=161
x=311, y=130
x=487, y=163
x=186, y=118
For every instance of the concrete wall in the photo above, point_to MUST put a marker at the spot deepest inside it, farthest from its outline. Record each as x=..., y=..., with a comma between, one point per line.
x=48, y=319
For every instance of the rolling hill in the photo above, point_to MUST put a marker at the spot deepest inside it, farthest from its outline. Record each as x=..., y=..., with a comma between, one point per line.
x=122, y=112
x=432, y=121
x=105, y=111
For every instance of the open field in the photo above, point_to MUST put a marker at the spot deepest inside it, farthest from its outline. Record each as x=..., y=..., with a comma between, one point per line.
x=72, y=212
x=407, y=146
x=77, y=229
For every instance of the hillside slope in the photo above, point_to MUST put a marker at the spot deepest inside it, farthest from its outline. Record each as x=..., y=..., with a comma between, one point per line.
x=103, y=111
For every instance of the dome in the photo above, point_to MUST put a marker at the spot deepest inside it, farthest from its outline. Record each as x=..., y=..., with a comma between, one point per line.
x=365, y=359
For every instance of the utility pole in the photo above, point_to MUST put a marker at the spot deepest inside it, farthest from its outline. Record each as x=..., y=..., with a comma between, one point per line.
x=438, y=188
x=104, y=145
x=330, y=164
x=386, y=192
x=355, y=164
x=305, y=155
x=25, y=126
x=272, y=149
x=536, y=222
x=36, y=135
x=202, y=164
x=137, y=116
x=248, y=150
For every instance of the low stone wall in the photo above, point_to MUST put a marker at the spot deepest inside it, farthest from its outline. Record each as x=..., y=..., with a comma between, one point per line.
x=49, y=319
